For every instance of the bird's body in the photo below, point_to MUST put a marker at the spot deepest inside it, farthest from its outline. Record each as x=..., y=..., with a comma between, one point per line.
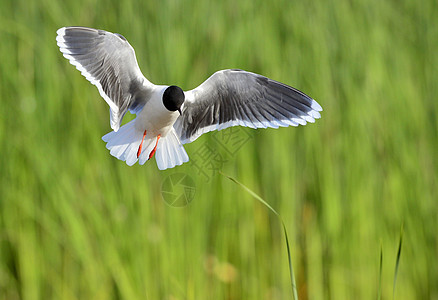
x=153, y=124
x=154, y=117
x=168, y=117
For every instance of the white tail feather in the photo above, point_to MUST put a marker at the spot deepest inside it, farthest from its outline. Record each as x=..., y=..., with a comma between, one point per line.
x=170, y=151
x=124, y=145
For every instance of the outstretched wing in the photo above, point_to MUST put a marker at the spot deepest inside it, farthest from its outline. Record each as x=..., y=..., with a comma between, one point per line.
x=236, y=97
x=108, y=61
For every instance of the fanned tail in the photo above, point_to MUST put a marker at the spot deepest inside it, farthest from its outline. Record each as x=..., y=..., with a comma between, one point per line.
x=170, y=151
x=124, y=145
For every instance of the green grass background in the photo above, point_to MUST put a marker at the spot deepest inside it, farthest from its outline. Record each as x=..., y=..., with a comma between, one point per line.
x=75, y=223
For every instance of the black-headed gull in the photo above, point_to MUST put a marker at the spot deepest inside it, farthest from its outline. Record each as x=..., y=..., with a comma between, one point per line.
x=168, y=117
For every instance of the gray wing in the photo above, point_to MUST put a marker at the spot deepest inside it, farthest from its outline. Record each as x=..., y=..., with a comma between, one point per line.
x=236, y=97
x=108, y=61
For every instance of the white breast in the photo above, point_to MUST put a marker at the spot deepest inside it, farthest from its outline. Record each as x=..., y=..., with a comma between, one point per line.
x=154, y=117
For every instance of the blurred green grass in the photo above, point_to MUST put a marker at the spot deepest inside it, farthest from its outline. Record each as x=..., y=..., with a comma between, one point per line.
x=75, y=223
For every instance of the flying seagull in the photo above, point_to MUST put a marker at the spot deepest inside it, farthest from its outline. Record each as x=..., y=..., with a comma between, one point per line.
x=167, y=116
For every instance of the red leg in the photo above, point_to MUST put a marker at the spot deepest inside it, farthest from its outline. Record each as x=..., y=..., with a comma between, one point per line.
x=141, y=144
x=155, y=148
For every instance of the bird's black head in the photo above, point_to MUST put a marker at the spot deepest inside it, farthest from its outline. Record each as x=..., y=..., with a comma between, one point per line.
x=173, y=98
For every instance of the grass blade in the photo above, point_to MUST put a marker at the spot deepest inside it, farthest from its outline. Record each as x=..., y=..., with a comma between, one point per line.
x=379, y=292
x=260, y=199
x=397, y=262
x=252, y=194
x=291, y=271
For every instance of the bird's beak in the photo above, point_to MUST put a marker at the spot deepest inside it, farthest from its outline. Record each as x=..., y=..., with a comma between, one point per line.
x=179, y=110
